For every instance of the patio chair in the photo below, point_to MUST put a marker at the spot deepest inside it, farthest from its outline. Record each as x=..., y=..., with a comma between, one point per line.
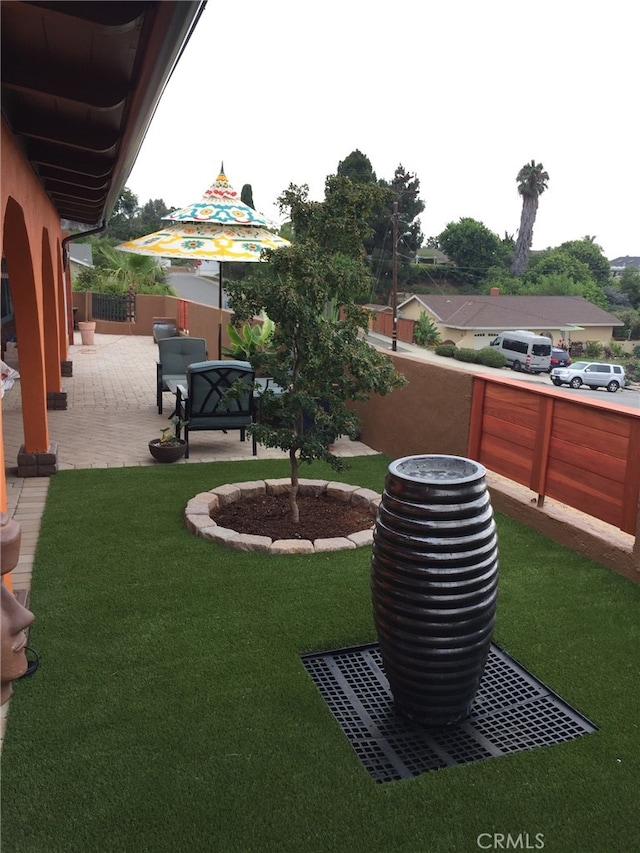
x=202, y=403
x=174, y=356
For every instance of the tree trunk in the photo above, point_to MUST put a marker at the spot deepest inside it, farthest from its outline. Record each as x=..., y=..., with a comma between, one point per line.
x=525, y=235
x=293, y=494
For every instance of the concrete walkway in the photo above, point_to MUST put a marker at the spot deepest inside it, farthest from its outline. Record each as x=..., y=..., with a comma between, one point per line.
x=110, y=418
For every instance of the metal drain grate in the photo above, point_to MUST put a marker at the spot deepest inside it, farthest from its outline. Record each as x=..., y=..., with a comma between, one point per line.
x=513, y=711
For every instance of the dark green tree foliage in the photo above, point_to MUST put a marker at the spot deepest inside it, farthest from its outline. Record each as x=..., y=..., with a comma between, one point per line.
x=149, y=217
x=473, y=248
x=405, y=189
x=553, y=272
x=587, y=251
x=310, y=290
x=124, y=212
x=557, y=262
x=246, y=196
x=630, y=285
x=130, y=221
x=357, y=167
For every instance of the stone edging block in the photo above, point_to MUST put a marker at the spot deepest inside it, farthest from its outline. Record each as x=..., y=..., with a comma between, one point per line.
x=197, y=515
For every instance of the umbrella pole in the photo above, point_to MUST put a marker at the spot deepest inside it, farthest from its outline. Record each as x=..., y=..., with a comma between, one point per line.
x=220, y=310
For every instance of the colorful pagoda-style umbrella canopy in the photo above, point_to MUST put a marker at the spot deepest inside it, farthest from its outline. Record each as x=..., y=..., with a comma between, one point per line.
x=221, y=203
x=206, y=241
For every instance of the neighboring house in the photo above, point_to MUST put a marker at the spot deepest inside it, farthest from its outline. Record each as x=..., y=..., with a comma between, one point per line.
x=80, y=257
x=474, y=321
x=431, y=256
x=620, y=264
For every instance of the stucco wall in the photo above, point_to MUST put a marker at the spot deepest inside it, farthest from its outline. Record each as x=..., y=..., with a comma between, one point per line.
x=418, y=418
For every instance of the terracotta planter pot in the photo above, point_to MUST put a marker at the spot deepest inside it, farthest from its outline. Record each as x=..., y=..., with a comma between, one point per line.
x=434, y=582
x=167, y=452
x=87, y=332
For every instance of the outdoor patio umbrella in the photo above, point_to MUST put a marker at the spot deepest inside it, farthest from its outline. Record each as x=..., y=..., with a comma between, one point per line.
x=221, y=203
x=220, y=228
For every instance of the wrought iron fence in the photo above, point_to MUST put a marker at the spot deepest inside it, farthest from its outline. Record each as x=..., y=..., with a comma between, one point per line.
x=108, y=306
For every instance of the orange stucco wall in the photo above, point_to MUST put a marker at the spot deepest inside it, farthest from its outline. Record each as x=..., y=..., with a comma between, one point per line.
x=31, y=240
x=417, y=418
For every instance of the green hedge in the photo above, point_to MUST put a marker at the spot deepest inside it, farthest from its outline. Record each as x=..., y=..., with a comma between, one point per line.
x=447, y=350
x=487, y=356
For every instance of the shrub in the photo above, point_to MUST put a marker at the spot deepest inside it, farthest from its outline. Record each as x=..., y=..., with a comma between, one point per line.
x=425, y=331
x=491, y=357
x=617, y=350
x=466, y=354
x=636, y=351
x=447, y=350
x=593, y=349
x=632, y=370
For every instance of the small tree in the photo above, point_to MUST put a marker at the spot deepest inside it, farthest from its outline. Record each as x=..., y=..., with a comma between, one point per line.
x=425, y=332
x=310, y=290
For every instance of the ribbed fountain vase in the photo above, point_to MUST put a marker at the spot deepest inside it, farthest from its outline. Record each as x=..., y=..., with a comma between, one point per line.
x=434, y=583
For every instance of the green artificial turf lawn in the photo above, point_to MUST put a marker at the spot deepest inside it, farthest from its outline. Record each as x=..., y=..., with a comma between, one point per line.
x=171, y=711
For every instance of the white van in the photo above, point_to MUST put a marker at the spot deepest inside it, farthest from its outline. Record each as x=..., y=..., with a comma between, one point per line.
x=524, y=350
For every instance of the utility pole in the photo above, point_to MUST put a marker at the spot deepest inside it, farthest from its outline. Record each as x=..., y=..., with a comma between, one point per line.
x=394, y=281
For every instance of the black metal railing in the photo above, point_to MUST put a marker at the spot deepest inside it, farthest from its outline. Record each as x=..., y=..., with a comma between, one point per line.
x=108, y=306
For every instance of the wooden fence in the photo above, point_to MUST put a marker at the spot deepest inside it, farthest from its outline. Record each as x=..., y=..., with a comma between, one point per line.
x=382, y=324
x=579, y=452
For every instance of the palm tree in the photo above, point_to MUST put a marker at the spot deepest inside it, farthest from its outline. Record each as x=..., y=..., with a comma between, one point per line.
x=126, y=272
x=532, y=182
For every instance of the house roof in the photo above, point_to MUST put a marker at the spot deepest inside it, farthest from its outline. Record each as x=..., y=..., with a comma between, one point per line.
x=513, y=312
x=378, y=308
x=625, y=261
x=81, y=253
x=80, y=84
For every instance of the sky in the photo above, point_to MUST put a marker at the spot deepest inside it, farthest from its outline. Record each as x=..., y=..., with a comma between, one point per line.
x=461, y=93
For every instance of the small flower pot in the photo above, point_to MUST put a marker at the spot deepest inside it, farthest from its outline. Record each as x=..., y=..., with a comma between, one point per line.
x=167, y=452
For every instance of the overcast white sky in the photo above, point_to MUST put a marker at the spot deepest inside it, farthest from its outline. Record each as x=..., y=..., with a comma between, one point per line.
x=461, y=93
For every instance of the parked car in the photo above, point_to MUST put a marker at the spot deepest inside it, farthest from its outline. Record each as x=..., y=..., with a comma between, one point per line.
x=524, y=350
x=559, y=358
x=593, y=375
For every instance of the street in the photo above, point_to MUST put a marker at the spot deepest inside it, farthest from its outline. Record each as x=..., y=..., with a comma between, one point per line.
x=629, y=398
x=195, y=288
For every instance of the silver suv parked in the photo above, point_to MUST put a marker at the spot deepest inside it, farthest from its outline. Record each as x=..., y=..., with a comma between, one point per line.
x=593, y=375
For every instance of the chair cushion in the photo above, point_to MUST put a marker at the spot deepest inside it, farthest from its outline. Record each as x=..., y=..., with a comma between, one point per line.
x=173, y=377
x=176, y=354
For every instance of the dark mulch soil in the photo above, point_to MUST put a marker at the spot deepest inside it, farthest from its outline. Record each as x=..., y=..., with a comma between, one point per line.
x=321, y=517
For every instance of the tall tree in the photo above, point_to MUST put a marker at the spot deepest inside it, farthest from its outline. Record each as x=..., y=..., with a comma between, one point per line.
x=246, y=196
x=149, y=217
x=532, y=182
x=405, y=189
x=357, y=167
x=124, y=212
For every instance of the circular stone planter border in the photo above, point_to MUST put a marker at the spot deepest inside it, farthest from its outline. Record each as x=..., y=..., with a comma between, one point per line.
x=198, y=520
